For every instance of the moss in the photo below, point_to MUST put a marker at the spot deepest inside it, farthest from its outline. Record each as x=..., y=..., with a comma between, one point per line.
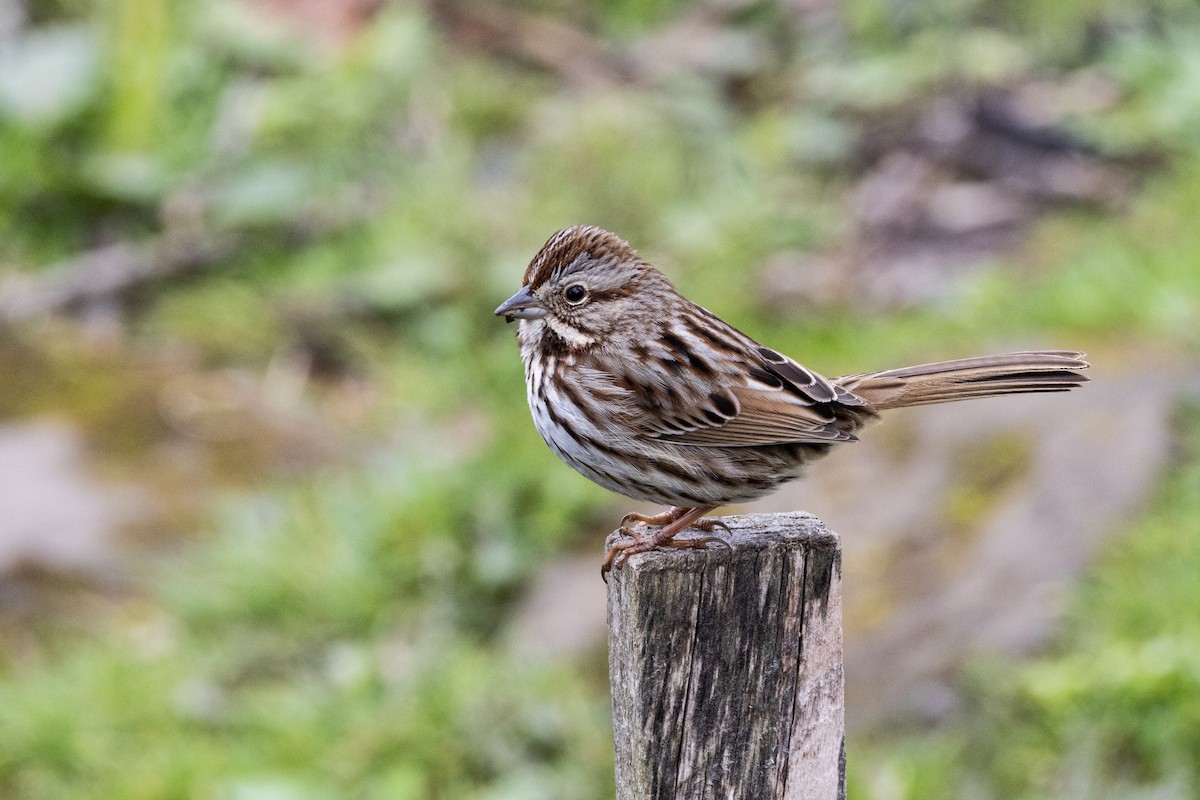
x=983, y=475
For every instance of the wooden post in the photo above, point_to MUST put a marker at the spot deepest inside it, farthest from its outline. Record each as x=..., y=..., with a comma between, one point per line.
x=726, y=667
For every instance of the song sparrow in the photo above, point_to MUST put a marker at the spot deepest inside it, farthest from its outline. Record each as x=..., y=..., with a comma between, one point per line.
x=652, y=396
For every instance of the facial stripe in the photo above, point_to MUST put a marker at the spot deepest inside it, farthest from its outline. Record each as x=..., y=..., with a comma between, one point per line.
x=569, y=334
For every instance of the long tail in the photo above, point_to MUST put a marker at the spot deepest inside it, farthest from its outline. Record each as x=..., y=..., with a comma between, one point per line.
x=966, y=378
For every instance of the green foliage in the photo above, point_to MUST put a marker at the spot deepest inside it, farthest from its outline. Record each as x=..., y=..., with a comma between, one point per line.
x=333, y=640
x=984, y=473
x=408, y=717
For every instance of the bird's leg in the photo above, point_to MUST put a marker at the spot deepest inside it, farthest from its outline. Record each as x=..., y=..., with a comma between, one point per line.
x=665, y=518
x=680, y=520
x=706, y=524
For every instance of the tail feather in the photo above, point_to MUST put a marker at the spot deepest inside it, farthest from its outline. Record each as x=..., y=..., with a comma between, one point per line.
x=968, y=378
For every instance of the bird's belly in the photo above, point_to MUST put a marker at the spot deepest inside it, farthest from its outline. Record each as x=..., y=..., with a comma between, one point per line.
x=654, y=471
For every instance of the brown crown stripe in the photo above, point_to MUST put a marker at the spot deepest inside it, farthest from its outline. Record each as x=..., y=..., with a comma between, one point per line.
x=568, y=244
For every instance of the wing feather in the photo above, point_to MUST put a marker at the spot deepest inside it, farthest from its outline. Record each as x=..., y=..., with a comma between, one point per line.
x=760, y=398
x=706, y=384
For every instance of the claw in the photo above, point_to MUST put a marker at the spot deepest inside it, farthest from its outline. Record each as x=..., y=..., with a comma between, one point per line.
x=704, y=542
x=610, y=559
x=708, y=524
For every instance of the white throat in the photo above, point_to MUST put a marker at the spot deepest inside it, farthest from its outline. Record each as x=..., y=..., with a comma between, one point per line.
x=572, y=336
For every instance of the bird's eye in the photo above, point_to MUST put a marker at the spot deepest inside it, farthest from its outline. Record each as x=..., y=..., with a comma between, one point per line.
x=576, y=293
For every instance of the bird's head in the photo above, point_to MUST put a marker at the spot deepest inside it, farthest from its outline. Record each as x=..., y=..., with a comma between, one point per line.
x=583, y=285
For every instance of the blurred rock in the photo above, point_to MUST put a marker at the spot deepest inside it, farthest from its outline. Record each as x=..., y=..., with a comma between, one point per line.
x=177, y=435
x=53, y=512
x=46, y=74
x=12, y=20
x=973, y=205
x=947, y=188
x=703, y=43
x=890, y=194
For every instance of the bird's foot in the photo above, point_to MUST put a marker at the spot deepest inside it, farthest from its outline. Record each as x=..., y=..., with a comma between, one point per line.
x=675, y=521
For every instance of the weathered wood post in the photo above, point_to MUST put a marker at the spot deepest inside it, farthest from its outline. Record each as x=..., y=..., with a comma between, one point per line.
x=726, y=667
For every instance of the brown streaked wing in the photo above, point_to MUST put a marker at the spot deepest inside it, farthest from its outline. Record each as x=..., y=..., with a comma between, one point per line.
x=765, y=424
x=770, y=408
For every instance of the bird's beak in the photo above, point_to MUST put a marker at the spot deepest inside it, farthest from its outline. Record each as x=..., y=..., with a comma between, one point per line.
x=522, y=305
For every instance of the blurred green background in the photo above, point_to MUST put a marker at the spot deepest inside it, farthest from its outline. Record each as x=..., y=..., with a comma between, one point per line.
x=272, y=511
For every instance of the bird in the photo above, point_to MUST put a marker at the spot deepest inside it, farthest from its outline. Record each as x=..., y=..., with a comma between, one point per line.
x=656, y=398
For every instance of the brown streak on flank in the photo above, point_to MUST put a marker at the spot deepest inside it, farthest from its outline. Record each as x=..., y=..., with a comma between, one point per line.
x=718, y=478
x=624, y=479
x=641, y=485
x=563, y=424
x=590, y=441
x=672, y=470
x=693, y=500
x=761, y=483
x=572, y=393
x=653, y=464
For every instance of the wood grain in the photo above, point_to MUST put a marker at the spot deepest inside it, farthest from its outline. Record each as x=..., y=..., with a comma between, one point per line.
x=726, y=666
